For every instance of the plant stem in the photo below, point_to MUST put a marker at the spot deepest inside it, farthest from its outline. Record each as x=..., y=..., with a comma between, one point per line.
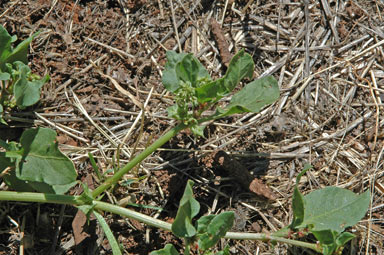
x=38, y=197
x=73, y=200
x=149, y=150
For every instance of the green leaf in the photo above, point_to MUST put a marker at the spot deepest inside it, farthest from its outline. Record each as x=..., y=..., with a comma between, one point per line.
x=191, y=71
x=2, y=121
x=5, y=46
x=169, y=249
x=42, y=163
x=108, y=232
x=94, y=166
x=26, y=92
x=334, y=208
x=203, y=222
x=225, y=251
x=241, y=66
x=331, y=241
x=253, y=97
x=298, y=201
x=10, y=177
x=9, y=55
x=188, y=208
x=198, y=130
x=4, y=76
x=215, y=228
x=170, y=79
x=344, y=238
x=21, y=51
x=326, y=237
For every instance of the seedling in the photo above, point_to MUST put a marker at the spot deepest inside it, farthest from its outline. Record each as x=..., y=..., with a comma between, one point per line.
x=36, y=164
x=18, y=86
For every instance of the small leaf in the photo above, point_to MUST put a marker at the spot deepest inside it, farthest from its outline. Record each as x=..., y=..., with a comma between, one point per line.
x=344, y=238
x=188, y=208
x=43, y=164
x=298, y=201
x=326, y=237
x=10, y=177
x=225, y=251
x=4, y=76
x=175, y=112
x=334, y=208
x=217, y=227
x=190, y=70
x=198, y=130
x=253, y=97
x=2, y=121
x=5, y=46
x=21, y=51
x=170, y=79
x=169, y=249
x=108, y=232
x=203, y=222
x=241, y=66
x=332, y=242
x=26, y=92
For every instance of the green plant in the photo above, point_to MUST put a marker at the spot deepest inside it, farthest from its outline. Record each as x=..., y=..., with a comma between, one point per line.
x=206, y=231
x=36, y=164
x=18, y=86
x=326, y=213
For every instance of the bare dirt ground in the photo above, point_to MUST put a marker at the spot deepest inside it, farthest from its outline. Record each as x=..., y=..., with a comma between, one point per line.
x=327, y=56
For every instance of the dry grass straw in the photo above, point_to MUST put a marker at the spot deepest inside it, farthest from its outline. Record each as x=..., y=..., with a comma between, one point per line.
x=328, y=59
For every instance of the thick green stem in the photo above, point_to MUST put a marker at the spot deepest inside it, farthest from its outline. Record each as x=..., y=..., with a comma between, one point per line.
x=148, y=151
x=74, y=200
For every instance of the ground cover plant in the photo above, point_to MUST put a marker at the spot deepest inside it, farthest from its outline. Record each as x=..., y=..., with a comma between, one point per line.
x=36, y=164
x=19, y=87
x=106, y=102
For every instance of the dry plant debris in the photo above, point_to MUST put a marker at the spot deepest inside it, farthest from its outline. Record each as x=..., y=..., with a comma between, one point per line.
x=327, y=55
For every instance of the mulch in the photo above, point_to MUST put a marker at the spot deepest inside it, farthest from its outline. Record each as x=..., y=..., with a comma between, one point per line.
x=105, y=59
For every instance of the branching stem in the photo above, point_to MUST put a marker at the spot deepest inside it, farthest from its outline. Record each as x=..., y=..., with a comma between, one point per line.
x=75, y=201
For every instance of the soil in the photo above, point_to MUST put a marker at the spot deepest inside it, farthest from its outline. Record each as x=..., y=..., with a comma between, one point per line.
x=329, y=114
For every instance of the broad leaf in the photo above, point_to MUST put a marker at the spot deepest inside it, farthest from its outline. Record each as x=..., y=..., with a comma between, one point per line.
x=26, y=92
x=214, y=228
x=42, y=165
x=334, y=208
x=188, y=208
x=253, y=97
x=241, y=66
x=169, y=249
